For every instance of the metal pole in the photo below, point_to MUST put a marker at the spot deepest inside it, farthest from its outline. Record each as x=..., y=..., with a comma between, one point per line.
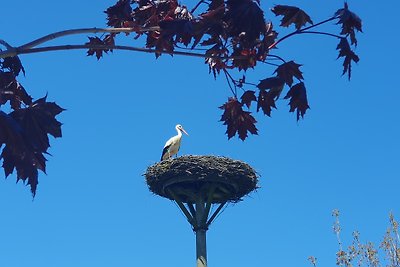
x=201, y=229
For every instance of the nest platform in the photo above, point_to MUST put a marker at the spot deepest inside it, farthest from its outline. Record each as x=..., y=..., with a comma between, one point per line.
x=211, y=179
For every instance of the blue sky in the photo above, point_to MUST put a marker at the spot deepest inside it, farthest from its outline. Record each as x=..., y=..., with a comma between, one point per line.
x=93, y=207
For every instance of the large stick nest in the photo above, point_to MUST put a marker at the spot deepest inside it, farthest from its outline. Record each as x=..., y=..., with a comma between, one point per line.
x=214, y=179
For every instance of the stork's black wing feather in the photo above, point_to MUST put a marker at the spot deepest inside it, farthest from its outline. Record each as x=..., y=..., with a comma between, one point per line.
x=165, y=151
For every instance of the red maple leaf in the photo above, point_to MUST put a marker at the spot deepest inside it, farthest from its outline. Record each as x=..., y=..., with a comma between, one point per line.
x=298, y=99
x=269, y=37
x=237, y=120
x=292, y=15
x=244, y=58
x=266, y=101
x=270, y=90
x=288, y=70
x=96, y=41
x=38, y=120
x=349, y=56
x=211, y=23
x=11, y=90
x=160, y=43
x=275, y=83
x=244, y=19
x=214, y=62
x=25, y=135
x=150, y=13
x=119, y=13
x=17, y=154
x=248, y=97
x=180, y=29
x=350, y=22
x=13, y=64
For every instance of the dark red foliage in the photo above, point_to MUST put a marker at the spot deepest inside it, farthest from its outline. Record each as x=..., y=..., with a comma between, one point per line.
x=175, y=24
x=37, y=121
x=271, y=83
x=235, y=36
x=270, y=90
x=266, y=101
x=349, y=56
x=14, y=65
x=350, y=22
x=180, y=29
x=245, y=21
x=211, y=24
x=25, y=135
x=232, y=35
x=160, y=43
x=248, y=97
x=11, y=90
x=298, y=99
x=213, y=59
x=107, y=41
x=24, y=131
x=119, y=14
x=244, y=58
x=150, y=13
x=268, y=38
x=237, y=120
x=288, y=70
x=292, y=15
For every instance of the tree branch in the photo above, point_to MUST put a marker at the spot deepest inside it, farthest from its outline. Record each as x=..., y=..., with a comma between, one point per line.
x=19, y=51
x=228, y=76
x=55, y=35
x=300, y=31
x=276, y=57
x=196, y=6
x=322, y=33
x=5, y=44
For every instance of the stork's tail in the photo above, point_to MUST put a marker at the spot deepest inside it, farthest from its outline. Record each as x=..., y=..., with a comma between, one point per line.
x=164, y=153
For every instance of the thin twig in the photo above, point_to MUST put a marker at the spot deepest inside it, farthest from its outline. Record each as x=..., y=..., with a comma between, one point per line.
x=276, y=57
x=229, y=79
x=253, y=84
x=269, y=63
x=196, y=6
x=300, y=30
x=191, y=49
x=4, y=43
x=322, y=33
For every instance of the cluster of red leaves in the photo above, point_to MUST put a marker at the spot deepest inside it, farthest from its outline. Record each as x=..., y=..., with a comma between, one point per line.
x=100, y=46
x=235, y=36
x=269, y=91
x=350, y=23
x=237, y=120
x=235, y=28
x=24, y=131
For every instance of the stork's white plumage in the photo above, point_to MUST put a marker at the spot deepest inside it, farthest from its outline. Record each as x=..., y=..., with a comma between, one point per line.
x=172, y=146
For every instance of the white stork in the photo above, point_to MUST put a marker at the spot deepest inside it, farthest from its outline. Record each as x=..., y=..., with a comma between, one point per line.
x=172, y=146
